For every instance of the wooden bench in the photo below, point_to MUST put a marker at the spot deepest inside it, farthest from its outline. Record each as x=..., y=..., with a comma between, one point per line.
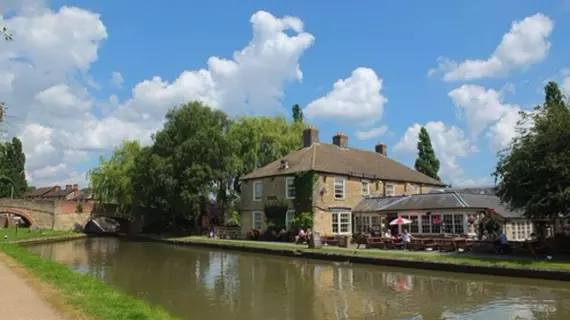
x=375, y=242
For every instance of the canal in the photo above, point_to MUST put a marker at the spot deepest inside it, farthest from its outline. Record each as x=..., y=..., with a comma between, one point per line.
x=196, y=283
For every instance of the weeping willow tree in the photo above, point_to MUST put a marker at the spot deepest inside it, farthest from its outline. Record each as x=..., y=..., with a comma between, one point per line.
x=111, y=180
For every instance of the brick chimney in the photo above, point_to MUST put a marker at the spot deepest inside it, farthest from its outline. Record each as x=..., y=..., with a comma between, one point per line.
x=68, y=187
x=381, y=148
x=310, y=136
x=75, y=187
x=57, y=188
x=340, y=139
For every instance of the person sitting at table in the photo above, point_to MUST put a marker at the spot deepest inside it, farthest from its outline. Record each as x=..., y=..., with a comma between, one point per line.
x=485, y=236
x=301, y=236
x=388, y=233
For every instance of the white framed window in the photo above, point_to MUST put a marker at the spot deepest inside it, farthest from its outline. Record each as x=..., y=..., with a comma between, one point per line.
x=365, y=187
x=257, y=191
x=257, y=220
x=390, y=189
x=416, y=189
x=339, y=188
x=290, y=188
x=342, y=222
x=521, y=230
x=289, y=218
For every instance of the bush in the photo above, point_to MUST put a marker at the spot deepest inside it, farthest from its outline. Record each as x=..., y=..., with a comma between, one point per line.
x=79, y=208
x=234, y=220
x=302, y=221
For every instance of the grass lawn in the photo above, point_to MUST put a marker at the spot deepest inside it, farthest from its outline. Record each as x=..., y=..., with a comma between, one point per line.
x=13, y=234
x=465, y=258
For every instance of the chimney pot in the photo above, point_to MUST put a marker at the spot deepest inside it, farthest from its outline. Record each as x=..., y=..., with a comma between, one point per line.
x=381, y=148
x=67, y=187
x=340, y=139
x=76, y=187
x=310, y=136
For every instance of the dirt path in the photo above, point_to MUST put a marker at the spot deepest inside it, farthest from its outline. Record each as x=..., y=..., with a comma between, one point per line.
x=19, y=301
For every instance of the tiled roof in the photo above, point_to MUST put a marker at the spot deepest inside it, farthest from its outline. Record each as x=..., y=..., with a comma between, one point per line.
x=40, y=191
x=329, y=158
x=60, y=193
x=436, y=201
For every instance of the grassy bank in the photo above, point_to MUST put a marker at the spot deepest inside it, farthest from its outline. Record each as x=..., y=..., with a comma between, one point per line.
x=22, y=234
x=454, y=258
x=76, y=295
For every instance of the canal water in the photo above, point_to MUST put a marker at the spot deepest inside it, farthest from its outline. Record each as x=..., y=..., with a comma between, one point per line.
x=195, y=283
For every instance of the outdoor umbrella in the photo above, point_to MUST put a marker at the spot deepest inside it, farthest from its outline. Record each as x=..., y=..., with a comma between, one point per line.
x=400, y=221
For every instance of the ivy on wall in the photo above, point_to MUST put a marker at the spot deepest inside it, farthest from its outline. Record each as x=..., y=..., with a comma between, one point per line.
x=305, y=183
x=275, y=212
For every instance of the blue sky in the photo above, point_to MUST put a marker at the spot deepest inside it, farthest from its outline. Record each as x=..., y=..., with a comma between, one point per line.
x=393, y=42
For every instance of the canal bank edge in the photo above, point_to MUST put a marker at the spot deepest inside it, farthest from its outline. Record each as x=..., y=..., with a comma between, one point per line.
x=97, y=299
x=305, y=253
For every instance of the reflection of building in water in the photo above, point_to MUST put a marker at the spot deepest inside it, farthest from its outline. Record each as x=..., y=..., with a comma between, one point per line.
x=336, y=297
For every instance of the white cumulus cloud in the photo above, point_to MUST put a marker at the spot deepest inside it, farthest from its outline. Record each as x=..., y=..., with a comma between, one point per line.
x=523, y=46
x=356, y=99
x=371, y=133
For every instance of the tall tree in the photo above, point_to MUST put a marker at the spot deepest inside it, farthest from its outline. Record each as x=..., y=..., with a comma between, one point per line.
x=426, y=162
x=533, y=173
x=12, y=175
x=297, y=114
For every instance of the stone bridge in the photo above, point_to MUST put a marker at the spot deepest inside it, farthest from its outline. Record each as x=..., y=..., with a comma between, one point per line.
x=63, y=215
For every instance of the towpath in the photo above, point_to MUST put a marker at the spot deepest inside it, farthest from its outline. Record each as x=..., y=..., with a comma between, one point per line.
x=19, y=301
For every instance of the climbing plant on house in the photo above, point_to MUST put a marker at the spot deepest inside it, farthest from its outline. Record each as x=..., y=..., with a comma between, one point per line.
x=275, y=212
x=305, y=183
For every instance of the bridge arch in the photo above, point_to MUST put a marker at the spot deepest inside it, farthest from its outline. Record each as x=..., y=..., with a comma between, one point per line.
x=122, y=225
x=20, y=213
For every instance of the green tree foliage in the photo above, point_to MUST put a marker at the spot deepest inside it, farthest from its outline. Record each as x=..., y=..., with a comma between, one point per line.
x=12, y=174
x=199, y=154
x=297, y=114
x=533, y=173
x=110, y=181
x=426, y=162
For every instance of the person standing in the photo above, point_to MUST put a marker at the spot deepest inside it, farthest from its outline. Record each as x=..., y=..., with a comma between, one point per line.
x=407, y=239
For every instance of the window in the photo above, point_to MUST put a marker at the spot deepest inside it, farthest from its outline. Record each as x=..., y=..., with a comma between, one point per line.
x=390, y=190
x=414, y=227
x=257, y=191
x=289, y=218
x=426, y=224
x=521, y=230
x=342, y=222
x=448, y=221
x=365, y=187
x=416, y=189
x=290, y=188
x=339, y=188
x=257, y=220
x=435, y=227
x=458, y=224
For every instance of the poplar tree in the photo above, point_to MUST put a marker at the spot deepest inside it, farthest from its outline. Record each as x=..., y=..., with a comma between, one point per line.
x=426, y=163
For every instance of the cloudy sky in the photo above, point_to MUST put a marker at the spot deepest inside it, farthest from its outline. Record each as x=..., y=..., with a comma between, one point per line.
x=82, y=76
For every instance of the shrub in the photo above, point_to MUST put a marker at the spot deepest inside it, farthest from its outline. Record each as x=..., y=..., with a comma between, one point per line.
x=79, y=208
x=302, y=221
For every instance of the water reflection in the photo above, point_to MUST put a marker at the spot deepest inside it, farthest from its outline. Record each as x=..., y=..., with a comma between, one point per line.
x=203, y=284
